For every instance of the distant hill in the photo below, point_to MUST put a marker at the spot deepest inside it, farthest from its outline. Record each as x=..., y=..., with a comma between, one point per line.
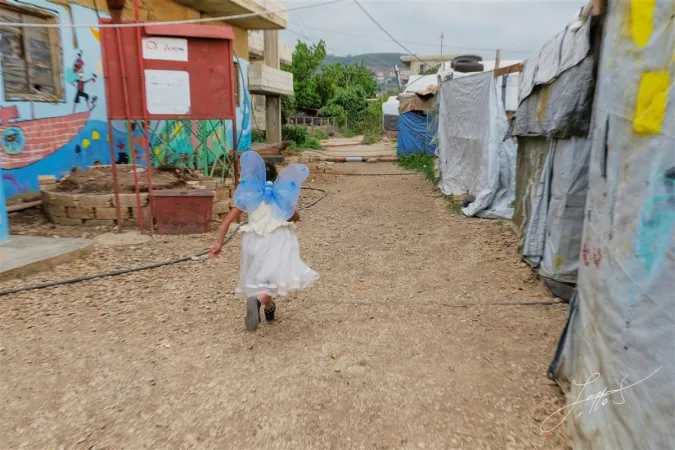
x=373, y=61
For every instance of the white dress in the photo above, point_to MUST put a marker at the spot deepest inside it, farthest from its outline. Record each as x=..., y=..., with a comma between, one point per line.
x=270, y=257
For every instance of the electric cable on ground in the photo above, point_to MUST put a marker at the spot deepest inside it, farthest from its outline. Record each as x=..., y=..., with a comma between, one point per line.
x=141, y=268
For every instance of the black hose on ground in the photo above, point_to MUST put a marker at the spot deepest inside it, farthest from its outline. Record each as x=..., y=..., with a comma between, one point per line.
x=141, y=268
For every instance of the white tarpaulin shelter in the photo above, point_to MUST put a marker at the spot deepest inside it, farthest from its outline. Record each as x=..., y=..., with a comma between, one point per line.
x=390, y=114
x=619, y=342
x=474, y=156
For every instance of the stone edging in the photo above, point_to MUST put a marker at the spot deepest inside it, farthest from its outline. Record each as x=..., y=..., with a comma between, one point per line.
x=100, y=209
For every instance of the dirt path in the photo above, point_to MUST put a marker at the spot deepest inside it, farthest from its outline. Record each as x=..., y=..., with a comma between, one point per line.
x=377, y=355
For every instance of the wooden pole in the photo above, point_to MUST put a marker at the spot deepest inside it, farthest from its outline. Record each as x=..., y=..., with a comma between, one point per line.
x=498, y=58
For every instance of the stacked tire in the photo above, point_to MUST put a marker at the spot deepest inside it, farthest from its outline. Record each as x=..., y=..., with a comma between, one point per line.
x=467, y=64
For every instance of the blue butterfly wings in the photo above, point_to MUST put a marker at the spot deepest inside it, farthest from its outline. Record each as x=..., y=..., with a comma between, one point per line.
x=282, y=195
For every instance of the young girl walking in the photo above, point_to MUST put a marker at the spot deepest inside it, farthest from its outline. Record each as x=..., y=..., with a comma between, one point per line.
x=270, y=255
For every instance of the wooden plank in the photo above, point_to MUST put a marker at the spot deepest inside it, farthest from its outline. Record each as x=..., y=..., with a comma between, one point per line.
x=515, y=68
x=599, y=7
x=498, y=58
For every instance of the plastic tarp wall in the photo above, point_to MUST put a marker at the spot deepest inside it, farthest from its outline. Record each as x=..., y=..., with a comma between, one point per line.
x=619, y=342
x=415, y=134
x=390, y=114
x=554, y=227
x=559, y=105
x=474, y=156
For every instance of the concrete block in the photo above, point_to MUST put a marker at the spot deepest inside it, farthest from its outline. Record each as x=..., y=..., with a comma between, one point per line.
x=76, y=212
x=48, y=187
x=53, y=211
x=209, y=184
x=99, y=223
x=229, y=182
x=68, y=200
x=110, y=213
x=221, y=207
x=145, y=210
x=68, y=221
x=129, y=200
x=96, y=201
x=46, y=179
x=222, y=195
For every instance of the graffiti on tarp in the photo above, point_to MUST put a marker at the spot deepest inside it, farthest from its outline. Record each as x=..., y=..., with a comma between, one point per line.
x=591, y=256
x=657, y=223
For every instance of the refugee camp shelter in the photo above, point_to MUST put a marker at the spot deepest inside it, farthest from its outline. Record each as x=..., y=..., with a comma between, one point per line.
x=390, y=114
x=620, y=337
x=417, y=123
x=474, y=156
x=552, y=125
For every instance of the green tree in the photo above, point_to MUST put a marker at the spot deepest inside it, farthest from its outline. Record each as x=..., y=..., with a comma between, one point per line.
x=306, y=63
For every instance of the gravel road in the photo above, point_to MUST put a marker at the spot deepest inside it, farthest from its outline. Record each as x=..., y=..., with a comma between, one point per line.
x=397, y=346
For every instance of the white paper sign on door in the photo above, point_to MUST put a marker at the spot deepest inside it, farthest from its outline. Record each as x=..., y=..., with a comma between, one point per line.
x=165, y=49
x=167, y=92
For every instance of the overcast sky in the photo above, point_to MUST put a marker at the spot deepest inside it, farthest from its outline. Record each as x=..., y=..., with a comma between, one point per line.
x=470, y=26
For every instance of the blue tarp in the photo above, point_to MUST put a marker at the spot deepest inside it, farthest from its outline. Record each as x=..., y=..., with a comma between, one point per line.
x=415, y=134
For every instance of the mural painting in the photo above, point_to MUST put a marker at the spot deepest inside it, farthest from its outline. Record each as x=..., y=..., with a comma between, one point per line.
x=53, y=110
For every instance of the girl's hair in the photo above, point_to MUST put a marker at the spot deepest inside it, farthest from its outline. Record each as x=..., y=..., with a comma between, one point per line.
x=271, y=170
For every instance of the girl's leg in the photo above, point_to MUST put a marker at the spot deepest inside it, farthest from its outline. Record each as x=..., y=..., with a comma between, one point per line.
x=270, y=307
x=266, y=300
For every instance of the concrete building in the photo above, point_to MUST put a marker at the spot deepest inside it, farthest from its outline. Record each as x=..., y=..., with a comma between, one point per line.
x=53, y=113
x=256, y=51
x=419, y=65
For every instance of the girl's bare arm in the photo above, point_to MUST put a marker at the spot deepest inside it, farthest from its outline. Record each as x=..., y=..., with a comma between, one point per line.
x=295, y=217
x=222, y=231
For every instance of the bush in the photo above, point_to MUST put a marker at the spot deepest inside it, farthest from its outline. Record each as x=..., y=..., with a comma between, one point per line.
x=420, y=162
x=313, y=143
x=295, y=134
x=320, y=135
x=258, y=136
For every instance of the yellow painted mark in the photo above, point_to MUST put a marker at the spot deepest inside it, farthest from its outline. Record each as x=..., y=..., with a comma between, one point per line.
x=95, y=135
x=558, y=261
x=541, y=110
x=157, y=151
x=642, y=20
x=96, y=33
x=86, y=143
x=652, y=99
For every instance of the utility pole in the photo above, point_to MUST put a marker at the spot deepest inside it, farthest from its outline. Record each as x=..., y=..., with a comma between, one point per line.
x=441, y=48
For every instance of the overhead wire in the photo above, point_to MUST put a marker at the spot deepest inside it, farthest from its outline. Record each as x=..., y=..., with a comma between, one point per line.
x=169, y=22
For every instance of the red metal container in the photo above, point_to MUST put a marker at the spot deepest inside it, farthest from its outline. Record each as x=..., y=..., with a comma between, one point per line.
x=183, y=211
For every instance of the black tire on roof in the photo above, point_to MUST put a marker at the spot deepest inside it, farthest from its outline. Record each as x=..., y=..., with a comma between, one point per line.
x=467, y=67
x=465, y=58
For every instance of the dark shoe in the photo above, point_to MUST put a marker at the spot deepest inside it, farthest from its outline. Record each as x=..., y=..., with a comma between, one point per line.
x=269, y=313
x=252, y=319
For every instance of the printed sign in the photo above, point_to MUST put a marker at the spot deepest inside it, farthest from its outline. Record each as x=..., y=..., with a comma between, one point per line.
x=165, y=49
x=167, y=92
